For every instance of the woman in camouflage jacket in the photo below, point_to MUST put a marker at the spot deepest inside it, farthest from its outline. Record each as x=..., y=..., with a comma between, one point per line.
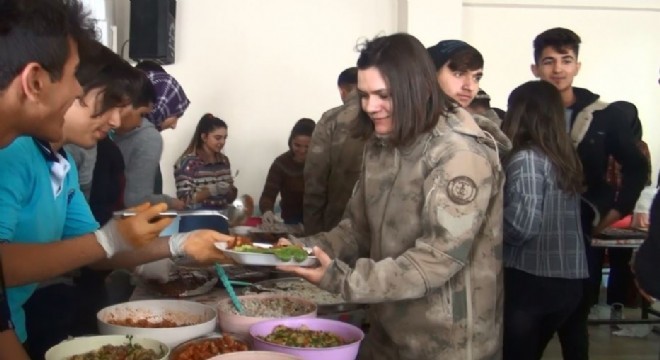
x=422, y=235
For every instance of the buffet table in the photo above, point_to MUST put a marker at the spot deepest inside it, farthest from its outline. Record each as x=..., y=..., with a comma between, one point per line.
x=353, y=314
x=624, y=238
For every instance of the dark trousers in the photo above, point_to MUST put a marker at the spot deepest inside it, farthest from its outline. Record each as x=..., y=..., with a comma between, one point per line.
x=573, y=333
x=534, y=308
x=620, y=283
x=91, y=298
x=49, y=317
x=595, y=259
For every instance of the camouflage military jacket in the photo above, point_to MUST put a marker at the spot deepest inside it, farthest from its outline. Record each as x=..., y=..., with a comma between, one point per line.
x=424, y=230
x=332, y=167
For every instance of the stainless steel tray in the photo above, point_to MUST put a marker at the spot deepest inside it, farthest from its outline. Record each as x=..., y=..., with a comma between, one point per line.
x=323, y=309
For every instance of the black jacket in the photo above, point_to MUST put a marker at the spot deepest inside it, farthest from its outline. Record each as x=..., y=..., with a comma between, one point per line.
x=609, y=134
x=647, y=260
x=107, y=193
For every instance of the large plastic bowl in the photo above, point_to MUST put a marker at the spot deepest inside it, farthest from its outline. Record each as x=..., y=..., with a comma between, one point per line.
x=346, y=331
x=203, y=318
x=239, y=325
x=208, y=346
x=255, y=355
x=81, y=345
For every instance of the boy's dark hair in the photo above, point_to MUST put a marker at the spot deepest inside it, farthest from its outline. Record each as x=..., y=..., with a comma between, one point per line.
x=102, y=69
x=39, y=31
x=348, y=77
x=146, y=93
x=468, y=59
x=150, y=65
x=460, y=55
x=560, y=39
x=481, y=100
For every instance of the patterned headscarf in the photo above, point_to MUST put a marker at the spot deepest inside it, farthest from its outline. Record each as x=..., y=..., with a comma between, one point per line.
x=171, y=100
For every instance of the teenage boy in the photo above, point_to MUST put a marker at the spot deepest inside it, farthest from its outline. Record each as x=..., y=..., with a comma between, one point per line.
x=598, y=131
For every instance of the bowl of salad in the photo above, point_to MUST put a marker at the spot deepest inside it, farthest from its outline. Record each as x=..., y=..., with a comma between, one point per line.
x=318, y=339
x=109, y=347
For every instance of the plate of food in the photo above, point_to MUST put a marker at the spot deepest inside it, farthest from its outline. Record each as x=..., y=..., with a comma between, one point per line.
x=245, y=252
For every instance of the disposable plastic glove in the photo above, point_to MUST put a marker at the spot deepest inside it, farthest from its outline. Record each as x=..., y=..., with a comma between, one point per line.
x=133, y=231
x=161, y=270
x=200, y=246
x=269, y=218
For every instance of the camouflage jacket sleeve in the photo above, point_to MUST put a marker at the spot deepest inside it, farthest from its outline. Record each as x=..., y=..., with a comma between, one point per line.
x=458, y=192
x=316, y=174
x=349, y=240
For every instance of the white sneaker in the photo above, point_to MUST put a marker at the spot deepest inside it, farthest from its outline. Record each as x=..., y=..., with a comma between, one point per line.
x=599, y=312
x=616, y=313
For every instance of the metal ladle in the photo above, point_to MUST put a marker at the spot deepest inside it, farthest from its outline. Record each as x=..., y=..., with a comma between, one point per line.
x=239, y=210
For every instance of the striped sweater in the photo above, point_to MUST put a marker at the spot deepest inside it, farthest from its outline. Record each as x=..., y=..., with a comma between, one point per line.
x=191, y=174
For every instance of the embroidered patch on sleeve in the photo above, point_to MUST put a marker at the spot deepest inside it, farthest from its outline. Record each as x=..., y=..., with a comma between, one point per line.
x=462, y=190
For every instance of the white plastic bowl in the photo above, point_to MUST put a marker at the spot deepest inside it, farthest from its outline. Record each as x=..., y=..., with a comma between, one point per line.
x=180, y=311
x=81, y=345
x=255, y=355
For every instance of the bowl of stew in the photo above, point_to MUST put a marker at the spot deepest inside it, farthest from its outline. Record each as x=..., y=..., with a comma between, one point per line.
x=108, y=347
x=169, y=321
x=209, y=346
x=309, y=339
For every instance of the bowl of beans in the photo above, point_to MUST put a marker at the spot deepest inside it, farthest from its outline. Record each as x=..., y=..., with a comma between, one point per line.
x=108, y=347
x=261, y=307
x=309, y=339
x=169, y=321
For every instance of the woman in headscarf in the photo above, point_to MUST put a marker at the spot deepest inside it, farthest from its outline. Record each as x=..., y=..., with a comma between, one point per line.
x=140, y=142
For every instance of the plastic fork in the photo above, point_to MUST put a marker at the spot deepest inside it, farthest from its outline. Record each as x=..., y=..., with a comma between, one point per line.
x=230, y=289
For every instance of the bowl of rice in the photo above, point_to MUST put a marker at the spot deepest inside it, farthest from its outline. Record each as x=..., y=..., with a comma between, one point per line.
x=261, y=307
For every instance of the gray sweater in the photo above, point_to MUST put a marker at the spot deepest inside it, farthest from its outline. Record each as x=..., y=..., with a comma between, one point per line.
x=141, y=149
x=85, y=160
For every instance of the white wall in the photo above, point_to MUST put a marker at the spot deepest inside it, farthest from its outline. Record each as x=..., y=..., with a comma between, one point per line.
x=261, y=65
x=620, y=53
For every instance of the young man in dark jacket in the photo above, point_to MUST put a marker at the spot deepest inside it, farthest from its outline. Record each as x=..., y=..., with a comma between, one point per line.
x=598, y=131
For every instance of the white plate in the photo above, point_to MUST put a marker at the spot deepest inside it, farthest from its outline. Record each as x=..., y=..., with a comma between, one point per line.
x=254, y=259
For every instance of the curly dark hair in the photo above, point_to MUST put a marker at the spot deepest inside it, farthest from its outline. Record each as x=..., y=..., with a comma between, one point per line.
x=560, y=39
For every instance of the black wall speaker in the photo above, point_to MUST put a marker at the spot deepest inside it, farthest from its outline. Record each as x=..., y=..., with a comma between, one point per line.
x=152, y=30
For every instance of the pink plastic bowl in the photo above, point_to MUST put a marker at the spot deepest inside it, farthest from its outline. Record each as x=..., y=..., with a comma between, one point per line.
x=346, y=331
x=240, y=324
